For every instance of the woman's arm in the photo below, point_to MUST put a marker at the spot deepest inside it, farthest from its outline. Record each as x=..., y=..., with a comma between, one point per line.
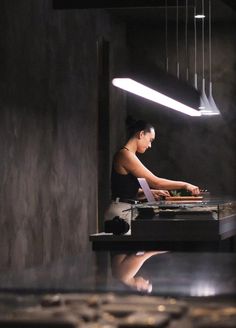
x=129, y=163
x=157, y=193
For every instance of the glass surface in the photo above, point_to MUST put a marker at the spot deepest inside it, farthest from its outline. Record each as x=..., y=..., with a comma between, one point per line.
x=218, y=207
x=159, y=273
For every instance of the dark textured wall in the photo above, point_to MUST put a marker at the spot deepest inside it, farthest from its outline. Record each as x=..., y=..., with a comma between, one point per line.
x=49, y=128
x=199, y=150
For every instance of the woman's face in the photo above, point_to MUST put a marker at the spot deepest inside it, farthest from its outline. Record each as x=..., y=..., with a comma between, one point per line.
x=145, y=140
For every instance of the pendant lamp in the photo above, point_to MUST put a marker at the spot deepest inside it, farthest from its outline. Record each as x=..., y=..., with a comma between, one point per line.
x=202, y=104
x=156, y=85
x=205, y=105
x=215, y=110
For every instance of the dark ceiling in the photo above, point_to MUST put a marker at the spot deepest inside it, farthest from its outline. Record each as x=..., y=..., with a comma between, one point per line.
x=222, y=11
x=153, y=11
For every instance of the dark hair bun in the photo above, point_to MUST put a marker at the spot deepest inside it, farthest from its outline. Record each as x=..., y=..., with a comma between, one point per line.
x=134, y=126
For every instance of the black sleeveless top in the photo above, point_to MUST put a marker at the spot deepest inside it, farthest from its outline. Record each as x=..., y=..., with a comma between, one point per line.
x=123, y=185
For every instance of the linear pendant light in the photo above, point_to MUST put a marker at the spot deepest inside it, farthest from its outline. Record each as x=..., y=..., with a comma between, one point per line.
x=141, y=90
x=136, y=86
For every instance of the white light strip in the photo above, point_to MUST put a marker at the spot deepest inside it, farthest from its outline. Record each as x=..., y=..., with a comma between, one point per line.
x=199, y=16
x=148, y=93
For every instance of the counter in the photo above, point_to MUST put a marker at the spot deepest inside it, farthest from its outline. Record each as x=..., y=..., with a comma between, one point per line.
x=208, y=225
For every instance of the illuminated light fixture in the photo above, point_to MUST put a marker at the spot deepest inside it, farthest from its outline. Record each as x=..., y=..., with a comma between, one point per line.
x=141, y=90
x=215, y=110
x=202, y=104
x=199, y=16
x=207, y=106
x=159, y=86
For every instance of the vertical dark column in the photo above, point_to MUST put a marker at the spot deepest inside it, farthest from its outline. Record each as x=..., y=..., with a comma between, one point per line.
x=103, y=141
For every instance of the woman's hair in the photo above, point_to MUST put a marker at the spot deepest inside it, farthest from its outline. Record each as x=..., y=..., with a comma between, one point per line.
x=134, y=126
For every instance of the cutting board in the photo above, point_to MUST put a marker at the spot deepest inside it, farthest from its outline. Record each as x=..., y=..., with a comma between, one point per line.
x=183, y=198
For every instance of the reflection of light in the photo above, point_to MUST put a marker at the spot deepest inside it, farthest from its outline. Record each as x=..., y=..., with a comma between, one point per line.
x=149, y=288
x=202, y=289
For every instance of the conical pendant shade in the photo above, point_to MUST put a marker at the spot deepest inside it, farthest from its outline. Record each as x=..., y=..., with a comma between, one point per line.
x=201, y=105
x=205, y=106
x=215, y=110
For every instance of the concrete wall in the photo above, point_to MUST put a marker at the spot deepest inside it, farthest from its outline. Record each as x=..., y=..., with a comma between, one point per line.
x=49, y=128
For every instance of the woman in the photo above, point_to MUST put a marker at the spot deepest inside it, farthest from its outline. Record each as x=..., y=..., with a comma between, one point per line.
x=127, y=168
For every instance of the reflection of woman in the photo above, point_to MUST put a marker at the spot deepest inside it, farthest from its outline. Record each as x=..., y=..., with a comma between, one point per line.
x=127, y=168
x=125, y=267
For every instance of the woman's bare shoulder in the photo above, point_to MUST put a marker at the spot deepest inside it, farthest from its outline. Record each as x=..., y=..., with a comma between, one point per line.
x=127, y=156
x=122, y=154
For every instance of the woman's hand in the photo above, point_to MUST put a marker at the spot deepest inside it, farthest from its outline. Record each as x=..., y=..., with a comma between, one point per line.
x=140, y=284
x=160, y=193
x=193, y=189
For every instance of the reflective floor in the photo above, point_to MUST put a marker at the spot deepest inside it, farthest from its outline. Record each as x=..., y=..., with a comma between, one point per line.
x=181, y=274
x=144, y=289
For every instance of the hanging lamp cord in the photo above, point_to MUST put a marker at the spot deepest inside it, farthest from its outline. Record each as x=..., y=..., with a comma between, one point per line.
x=195, y=39
x=177, y=36
x=203, y=42
x=210, y=40
x=186, y=38
x=166, y=35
